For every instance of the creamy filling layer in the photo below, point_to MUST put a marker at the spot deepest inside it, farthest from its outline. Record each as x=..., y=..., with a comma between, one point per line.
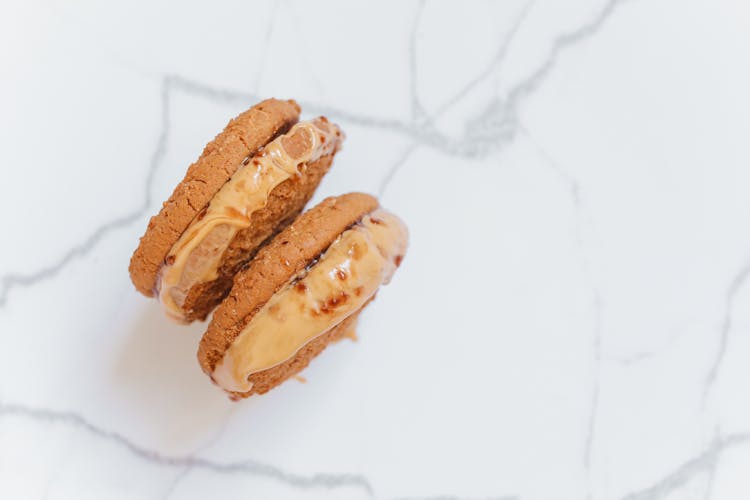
x=337, y=285
x=196, y=256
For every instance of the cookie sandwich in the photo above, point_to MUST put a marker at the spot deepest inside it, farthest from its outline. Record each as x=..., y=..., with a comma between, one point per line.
x=302, y=291
x=249, y=183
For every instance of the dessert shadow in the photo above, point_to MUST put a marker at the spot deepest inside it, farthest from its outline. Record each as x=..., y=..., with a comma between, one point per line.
x=158, y=374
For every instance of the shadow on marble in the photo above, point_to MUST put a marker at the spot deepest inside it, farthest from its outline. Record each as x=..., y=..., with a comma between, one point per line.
x=157, y=372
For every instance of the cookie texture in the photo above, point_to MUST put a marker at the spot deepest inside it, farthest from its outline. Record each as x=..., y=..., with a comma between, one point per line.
x=289, y=253
x=285, y=202
x=243, y=136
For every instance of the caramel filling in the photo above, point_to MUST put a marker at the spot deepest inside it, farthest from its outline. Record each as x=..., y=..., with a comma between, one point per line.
x=197, y=255
x=336, y=286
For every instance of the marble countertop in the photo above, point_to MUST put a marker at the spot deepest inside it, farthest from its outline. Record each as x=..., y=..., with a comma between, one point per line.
x=572, y=320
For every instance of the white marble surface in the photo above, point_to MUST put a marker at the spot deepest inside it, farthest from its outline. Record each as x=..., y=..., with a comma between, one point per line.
x=572, y=320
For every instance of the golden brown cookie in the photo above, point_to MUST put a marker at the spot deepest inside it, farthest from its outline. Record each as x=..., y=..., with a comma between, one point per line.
x=249, y=183
x=302, y=291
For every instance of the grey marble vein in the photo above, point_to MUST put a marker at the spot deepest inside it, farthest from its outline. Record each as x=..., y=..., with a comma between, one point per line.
x=247, y=467
x=704, y=462
x=210, y=92
x=393, y=170
x=494, y=64
x=708, y=492
x=224, y=95
x=489, y=131
x=176, y=480
x=737, y=283
x=562, y=43
x=634, y=359
x=417, y=111
x=185, y=464
x=646, y=354
x=507, y=109
x=185, y=471
x=309, y=67
x=11, y=281
x=571, y=183
x=499, y=123
x=573, y=187
x=486, y=132
x=593, y=416
x=428, y=123
x=266, y=45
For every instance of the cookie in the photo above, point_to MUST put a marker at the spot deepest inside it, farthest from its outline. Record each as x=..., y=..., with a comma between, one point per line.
x=302, y=291
x=249, y=183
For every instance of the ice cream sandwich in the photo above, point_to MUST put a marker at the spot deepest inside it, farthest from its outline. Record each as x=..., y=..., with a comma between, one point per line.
x=249, y=183
x=302, y=291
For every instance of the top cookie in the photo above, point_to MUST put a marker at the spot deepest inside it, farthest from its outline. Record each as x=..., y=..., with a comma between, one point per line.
x=243, y=136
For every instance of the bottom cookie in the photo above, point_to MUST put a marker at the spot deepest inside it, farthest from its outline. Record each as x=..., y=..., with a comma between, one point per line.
x=301, y=291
